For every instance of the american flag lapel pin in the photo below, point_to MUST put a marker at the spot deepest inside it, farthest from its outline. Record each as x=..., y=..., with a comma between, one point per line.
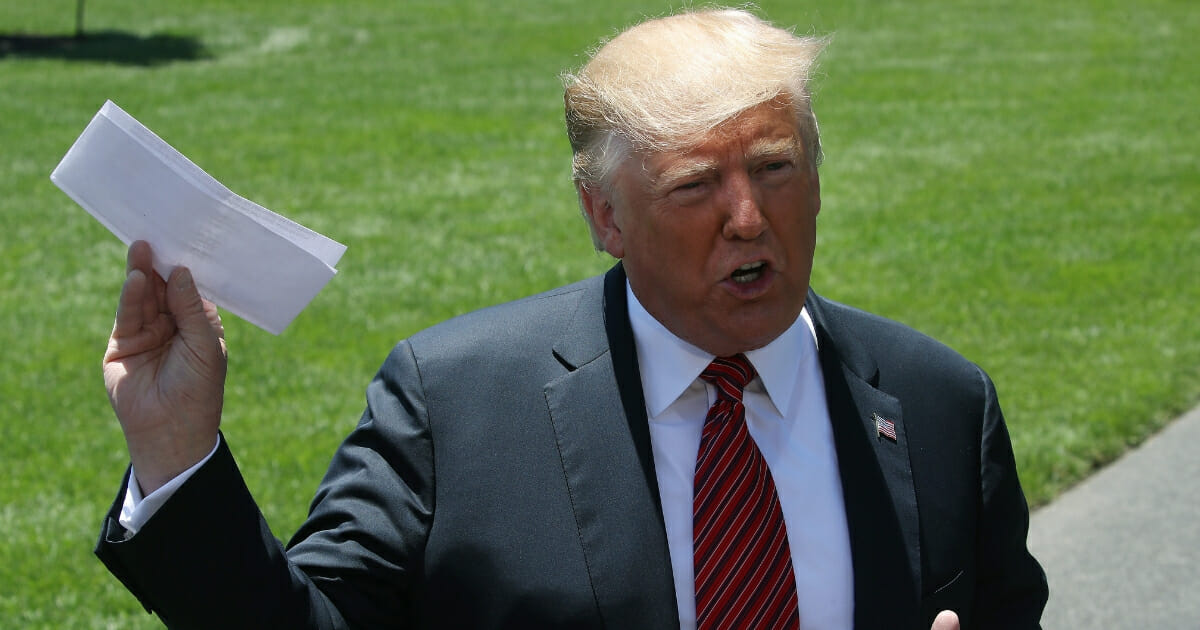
x=884, y=427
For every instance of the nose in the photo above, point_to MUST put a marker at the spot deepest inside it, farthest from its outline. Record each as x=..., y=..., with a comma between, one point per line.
x=745, y=220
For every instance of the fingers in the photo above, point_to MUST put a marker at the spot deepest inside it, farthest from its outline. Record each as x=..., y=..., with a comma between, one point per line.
x=138, y=257
x=946, y=620
x=130, y=314
x=214, y=318
x=141, y=322
x=145, y=297
x=141, y=258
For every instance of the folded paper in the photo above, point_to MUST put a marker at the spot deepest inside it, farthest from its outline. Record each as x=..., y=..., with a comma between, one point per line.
x=248, y=260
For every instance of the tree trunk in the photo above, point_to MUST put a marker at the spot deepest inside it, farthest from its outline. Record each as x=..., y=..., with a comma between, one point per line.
x=79, y=19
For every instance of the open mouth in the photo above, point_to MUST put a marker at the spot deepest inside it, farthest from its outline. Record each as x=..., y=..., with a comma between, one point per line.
x=748, y=272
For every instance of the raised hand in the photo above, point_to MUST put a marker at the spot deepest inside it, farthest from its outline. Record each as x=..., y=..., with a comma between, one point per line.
x=165, y=370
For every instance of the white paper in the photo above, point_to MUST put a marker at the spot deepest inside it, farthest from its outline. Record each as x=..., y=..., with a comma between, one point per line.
x=245, y=258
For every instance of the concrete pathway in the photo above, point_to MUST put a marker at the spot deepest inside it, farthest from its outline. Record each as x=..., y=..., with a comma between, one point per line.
x=1122, y=549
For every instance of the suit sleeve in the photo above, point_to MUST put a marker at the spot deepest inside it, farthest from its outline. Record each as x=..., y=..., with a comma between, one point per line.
x=207, y=559
x=1011, y=589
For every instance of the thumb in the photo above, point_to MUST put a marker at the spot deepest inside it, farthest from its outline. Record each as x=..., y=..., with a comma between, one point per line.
x=946, y=620
x=186, y=306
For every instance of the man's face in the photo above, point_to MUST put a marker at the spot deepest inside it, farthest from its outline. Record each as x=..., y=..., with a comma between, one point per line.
x=718, y=240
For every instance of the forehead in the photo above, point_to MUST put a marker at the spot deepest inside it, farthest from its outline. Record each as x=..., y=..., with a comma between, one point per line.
x=768, y=129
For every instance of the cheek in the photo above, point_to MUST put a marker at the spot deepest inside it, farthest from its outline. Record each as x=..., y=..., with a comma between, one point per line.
x=795, y=215
x=663, y=235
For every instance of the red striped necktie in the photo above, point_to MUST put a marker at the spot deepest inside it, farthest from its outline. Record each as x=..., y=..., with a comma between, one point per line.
x=743, y=565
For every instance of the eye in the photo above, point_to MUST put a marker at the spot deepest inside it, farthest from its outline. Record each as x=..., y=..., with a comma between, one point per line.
x=777, y=165
x=689, y=191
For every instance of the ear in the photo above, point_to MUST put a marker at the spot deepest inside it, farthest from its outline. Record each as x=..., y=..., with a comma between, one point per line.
x=598, y=207
x=816, y=190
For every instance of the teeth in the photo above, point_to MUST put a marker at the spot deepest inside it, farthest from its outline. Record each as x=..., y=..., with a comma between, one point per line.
x=748, y=272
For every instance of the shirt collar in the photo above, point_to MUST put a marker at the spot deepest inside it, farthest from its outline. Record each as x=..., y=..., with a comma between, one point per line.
x=669, y=365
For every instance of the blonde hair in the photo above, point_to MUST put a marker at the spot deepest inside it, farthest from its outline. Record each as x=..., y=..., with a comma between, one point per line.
x=664, y=84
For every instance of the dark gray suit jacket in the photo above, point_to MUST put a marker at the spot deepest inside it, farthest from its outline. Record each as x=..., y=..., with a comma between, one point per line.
x=502, y=477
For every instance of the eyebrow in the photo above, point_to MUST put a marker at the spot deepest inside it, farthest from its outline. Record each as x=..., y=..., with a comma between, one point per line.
x=687, y=171
x=774, y=147
x=760, y=149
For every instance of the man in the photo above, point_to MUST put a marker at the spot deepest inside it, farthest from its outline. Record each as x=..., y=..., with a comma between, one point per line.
x=692, y=440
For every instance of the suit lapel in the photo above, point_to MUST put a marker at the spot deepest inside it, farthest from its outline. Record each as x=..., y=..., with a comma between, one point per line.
x=599, y=417
x=877, y=482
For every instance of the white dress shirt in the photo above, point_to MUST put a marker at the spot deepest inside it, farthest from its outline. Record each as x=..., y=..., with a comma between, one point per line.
x=787, y=416
x=136, y=509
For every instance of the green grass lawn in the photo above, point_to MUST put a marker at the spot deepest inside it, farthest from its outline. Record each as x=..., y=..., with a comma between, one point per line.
x=1015, y=178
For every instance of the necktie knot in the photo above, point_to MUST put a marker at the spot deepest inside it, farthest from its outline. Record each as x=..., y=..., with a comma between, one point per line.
x=730, y=375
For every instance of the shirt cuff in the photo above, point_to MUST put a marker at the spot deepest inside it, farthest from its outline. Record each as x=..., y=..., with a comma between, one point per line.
x=136, y=510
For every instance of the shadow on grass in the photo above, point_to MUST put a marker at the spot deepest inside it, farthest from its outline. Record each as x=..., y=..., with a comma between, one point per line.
x=105, y=47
